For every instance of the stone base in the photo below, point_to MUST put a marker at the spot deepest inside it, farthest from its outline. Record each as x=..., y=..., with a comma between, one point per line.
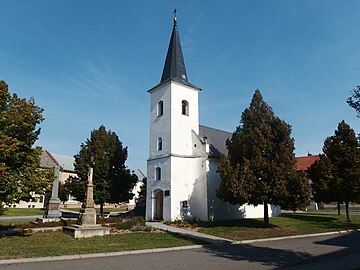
x=87, y=217
x=53, y=214
x=44, y=220
x=82, y=231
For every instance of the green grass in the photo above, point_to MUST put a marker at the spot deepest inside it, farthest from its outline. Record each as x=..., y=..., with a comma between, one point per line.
x=6, y=225
x=115, y=209
x=287, y=224
x=12, y=212
x=58, y=243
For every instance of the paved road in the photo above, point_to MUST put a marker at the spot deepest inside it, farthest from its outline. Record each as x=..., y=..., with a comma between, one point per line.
x=340, y=251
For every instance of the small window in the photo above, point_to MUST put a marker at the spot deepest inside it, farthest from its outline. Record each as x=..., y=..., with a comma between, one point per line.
x=160, y=145
x=184, y=107
x=184, y=204
x=167, y=193
x=160, y=108
x=158, y=173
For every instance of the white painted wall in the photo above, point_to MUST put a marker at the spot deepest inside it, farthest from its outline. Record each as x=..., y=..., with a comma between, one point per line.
x=182, y=125
x=188, y=184
x=181, y=168
x=135, y=191
x=219, y=210
x=160, y=126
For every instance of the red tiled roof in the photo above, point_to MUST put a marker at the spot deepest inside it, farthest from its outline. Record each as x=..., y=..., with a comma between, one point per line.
x=303, y=163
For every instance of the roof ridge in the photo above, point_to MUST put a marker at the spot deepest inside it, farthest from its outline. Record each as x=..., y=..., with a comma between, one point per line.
x=216, y=129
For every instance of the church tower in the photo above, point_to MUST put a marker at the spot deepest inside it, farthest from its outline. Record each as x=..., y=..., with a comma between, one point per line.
x=175, y=168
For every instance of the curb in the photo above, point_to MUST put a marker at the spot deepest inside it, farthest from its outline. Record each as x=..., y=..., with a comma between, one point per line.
x=290, y=237
x=97, y=255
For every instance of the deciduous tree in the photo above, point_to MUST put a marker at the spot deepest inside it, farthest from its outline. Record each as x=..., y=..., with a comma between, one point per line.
x=20, y=173
x=354, y=100
x=259, y=168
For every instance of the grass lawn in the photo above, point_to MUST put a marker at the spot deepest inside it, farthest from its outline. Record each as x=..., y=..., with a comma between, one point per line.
x=287, y=224
x=115, y=209
x=58, y=243
x=12, y=212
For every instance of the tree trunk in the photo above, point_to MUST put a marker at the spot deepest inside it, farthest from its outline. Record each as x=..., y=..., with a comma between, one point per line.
x=101, y=210
x=266, y=215
x=338, y=207
x=347, y=211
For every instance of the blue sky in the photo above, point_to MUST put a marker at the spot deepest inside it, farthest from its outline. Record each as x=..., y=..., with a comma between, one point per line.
x=90, y=62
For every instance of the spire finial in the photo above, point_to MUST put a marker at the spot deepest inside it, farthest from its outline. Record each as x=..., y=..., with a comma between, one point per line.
x=174, y=16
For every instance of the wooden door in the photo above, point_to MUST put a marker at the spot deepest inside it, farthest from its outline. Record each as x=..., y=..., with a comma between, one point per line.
x=159, y=199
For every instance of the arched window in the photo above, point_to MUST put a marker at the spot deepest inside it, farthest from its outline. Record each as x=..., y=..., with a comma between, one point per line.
x=158, y=173
x=160, y=145
x=184, y=107
x=160, y=108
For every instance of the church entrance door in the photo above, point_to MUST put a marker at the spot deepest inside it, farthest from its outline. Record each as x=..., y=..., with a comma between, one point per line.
x=159, y=200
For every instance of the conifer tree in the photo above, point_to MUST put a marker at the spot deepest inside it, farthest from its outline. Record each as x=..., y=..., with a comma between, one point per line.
x=112, y=181
x=336, y=176
x=20, y=173
x=259, y=168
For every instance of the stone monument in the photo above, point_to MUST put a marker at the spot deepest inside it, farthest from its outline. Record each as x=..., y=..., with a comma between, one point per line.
x=86, y=224
x=52, y=212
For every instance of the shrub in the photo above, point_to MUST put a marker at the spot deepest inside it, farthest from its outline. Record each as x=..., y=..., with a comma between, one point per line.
x=133, y=224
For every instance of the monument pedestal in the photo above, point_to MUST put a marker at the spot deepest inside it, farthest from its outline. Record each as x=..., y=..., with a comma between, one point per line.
x=82, y=231
x=53, y=211
x=86, y=225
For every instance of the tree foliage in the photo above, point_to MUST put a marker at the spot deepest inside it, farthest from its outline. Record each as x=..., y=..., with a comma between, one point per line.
x=20, y=172
x=336, y=176
x=354, y=100
x=259, y=168
x=112, y=181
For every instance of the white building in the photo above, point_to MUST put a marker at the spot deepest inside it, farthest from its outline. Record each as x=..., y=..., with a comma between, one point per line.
x=184, y=156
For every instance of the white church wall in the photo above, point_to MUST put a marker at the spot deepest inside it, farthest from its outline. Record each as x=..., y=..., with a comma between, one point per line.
x=154, y=186
x=219, y=210
x=160, y=125
x=188, y=190
x=181, y=125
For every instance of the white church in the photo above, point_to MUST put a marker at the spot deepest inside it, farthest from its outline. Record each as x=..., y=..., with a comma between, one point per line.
x=184, y=156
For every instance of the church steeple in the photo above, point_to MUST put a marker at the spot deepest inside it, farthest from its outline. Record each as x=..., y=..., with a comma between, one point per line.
x=174, y=68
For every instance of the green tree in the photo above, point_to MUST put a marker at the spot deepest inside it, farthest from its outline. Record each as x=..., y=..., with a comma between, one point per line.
x=336, y=176
x=259, y=168
x=20, y=173
x=354, y=100
x=112, y=181
x=63, y=193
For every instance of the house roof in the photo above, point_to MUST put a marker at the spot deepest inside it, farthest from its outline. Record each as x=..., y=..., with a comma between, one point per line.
x=174, y=67
x=51, y=160
x=216, y=139
x=304, y=163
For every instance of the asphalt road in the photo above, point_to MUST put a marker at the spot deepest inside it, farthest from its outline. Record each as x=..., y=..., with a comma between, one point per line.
x=339, y=251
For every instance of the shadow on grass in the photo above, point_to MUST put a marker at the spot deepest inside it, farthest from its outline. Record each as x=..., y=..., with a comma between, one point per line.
x=323, y=221
x=10, y=233
x=310, y=217
x=246, y=223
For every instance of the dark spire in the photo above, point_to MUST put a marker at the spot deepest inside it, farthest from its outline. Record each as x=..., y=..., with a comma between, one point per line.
x=174, y=68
